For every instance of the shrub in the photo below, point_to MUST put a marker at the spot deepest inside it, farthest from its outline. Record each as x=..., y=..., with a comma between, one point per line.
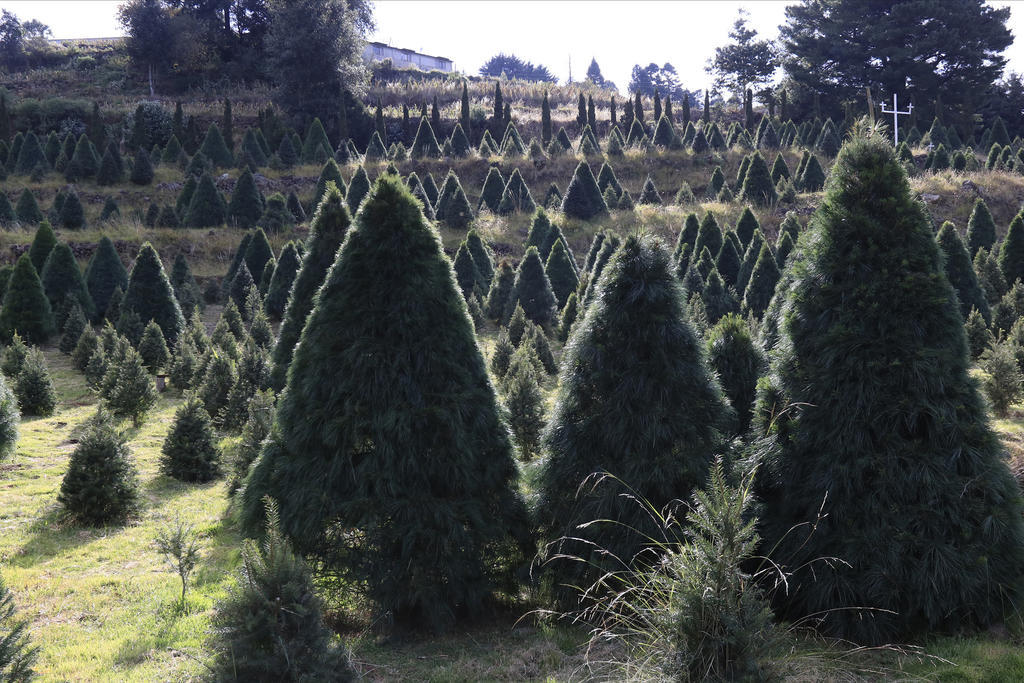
x=897, y=339
x=1004, y=382
x=635, y=399
x=101, y=484
x=270, y=626
x=189, y=452
x=33, y=386
x=17, y=657
x=392, y=261
x=26, y=309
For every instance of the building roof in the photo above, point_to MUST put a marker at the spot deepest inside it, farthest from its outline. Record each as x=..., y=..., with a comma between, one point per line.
x=407, y=50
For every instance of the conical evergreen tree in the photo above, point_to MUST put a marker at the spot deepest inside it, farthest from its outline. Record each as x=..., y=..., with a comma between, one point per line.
x=467, y=275
x=104, y=274
x=101, y=483
x=583, y=196
x=739, y=364
x=206, y=208
x=532, y=290
x=330, y=172
x=890, y=455
x=709, y=235
x=150, y=295
x=981, y=229
x=1011, y=251
x=72, y=213
x=728, y=263
x=516, y=196
x=961, y=273
x=718, y=299
x=26, y=310
x=186, y=289
x=190, y=452
x=142, y=169
x=326, y=232
x=649, y=193
x=28, y=209
x=246, y=203
x=64, y=285
x=758, y=187
x=34, y=387
x=215, y=149
x=493, y=187
x=561, y=273
x=761, y=286
x=452, y=206
x=72, y=330
x=658, y=438
x=500, y=293
x=42, y=244
x=427, y=553
x=813, y=177
x=281, y=284
x=482, y=259
x=424, y=145
x=357, y=190
x=111, y=168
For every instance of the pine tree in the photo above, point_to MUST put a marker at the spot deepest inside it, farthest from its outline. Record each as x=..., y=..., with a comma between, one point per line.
x=728, y=263
x=1011, y=251
x=583, y=196
x=246, y=203
x=516, y=196
x=761, y=286
x=153, y=348
x=271, y=626
x=718, y=299
x=532, y=290
x=64, y=285
x=72, y=214
x=17, y=656
x=101, y=484
x=739, y=364
x=31, y=155
x=104, y=274
x=357, y=190
x=757, y=186
x=899, y=338
x=524, y=404
x=813, y=177
x=150, y=296
x=979, y=337
x=961, y=273
x=424, y=145
x=561, y=273
x=72, y=329
x=111, y=167
x=281, y=283
x=392, y=259
x=13, y=358
x=482, y=259
x=326, y=233
x=491, y=192
x=9, y=422
x=452, y=206
x=206, y=208
x=709, y=235
x=500, y=293
x=189, y=452
x=33, y=386
x=215, y=149
x=26, y=310
x=142, y=168
x=502, y=356
x=126, y=388
x=649, y=194
x=186, y=289
x=658, y=438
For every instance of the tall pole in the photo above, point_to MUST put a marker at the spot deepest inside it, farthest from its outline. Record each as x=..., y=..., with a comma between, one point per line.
x=896, y=113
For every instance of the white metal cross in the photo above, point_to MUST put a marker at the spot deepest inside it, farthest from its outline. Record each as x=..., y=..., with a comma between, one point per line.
x=896, y=113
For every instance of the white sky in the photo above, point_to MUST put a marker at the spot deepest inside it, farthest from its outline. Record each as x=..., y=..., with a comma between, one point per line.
x=619, y=34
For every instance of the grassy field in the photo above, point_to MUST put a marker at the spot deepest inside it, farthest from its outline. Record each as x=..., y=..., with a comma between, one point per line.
x=103, y=604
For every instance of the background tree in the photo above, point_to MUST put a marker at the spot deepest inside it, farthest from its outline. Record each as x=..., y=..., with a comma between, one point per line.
x=514, y=67
x=917, y=48
x=745, y=62
x=314, y=56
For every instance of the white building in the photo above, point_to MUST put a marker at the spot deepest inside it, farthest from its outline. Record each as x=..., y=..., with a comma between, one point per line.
x=403, y=58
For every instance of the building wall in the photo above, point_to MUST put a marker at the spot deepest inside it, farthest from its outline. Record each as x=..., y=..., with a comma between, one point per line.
x=405, y=58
